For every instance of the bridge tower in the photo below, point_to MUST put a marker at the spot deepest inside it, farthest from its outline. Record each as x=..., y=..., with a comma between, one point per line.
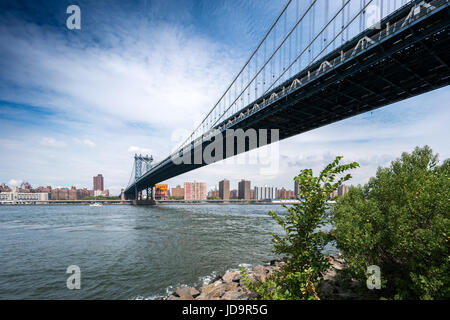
x=141, y=165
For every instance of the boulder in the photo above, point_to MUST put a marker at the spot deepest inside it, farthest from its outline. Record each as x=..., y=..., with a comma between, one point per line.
x=231, y=276
x=211, y=291
x=231, y=286
x=172, y=297
x=186, y=292
x=260, y=273
x=194, y=292
x=330, y=274
x=259, y=269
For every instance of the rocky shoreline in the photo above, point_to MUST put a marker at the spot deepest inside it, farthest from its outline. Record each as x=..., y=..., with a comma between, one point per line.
x=230, y=286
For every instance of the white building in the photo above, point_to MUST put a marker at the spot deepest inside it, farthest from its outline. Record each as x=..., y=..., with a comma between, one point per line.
x=262, y=193
x=22, y=197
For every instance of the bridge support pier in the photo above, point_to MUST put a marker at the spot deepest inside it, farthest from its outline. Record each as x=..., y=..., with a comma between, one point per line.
x=148, y=200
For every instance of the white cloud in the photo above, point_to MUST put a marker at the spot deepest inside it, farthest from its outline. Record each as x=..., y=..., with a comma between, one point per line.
x=51, y=142
x=14, y=182
x=139, y=150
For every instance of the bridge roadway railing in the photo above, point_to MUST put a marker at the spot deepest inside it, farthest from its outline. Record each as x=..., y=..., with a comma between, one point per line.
x=363, y=41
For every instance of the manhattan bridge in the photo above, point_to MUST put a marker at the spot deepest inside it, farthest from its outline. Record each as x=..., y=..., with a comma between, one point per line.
x=320, y=61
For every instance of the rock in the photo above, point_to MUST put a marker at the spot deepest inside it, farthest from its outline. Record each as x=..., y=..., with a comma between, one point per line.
x=216, y=278
x=187, y=298
x=211, y=291
x=330, y=274
x=186, y=292
x=194, y=292
x=273, y=262
x=231, y=276
x=183, y=291
x=279, y=264
x=259, y=269
x=260, y=273
x=172, y=297
x=231, y=286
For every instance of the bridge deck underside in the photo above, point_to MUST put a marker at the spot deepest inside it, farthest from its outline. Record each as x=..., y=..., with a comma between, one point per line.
x=411, y=62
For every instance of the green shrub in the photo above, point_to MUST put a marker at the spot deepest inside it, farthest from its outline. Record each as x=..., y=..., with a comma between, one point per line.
x=302, y=244
x=400, y=222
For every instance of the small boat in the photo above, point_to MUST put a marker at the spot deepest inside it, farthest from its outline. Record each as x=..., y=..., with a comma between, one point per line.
x=97, y=204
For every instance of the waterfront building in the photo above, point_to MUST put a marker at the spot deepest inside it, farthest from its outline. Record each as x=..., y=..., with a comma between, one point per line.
x=60, y=194
x=177, y=193
x=244, y=189
x=161, y=191
x=72, y=193
x=285, y=194
x=4, y=188
x=213, y=194
x=23, y=197
x=195, y=190
x=224, y=189
x=47, y=189
x=98, y=182
x=233, y=194
x=263, y=193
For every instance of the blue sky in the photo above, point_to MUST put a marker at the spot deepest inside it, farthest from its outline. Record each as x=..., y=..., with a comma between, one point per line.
x=77, y=103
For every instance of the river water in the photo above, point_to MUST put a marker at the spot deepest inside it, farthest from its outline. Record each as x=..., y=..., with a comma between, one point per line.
x=127, y=252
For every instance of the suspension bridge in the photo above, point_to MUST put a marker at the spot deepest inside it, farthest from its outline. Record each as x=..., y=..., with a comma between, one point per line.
x=320, y=61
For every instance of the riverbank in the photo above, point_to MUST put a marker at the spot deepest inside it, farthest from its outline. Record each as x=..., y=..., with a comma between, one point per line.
x=230, y=286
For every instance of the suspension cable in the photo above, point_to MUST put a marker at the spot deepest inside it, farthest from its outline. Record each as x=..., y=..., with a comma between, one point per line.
x=273, y=54
x=313, y=59
x=242, y=69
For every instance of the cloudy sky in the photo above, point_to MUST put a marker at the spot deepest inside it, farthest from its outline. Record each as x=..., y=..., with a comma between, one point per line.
x=75, y=103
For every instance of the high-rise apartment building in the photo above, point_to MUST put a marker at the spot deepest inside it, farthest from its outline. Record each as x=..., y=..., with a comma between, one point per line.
x=244, y=189
x=262, y=193
x=233, y=194
x=296, y=189
x=224, y=189
x=342, y=190
x=98, y=182
x=195, y=190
